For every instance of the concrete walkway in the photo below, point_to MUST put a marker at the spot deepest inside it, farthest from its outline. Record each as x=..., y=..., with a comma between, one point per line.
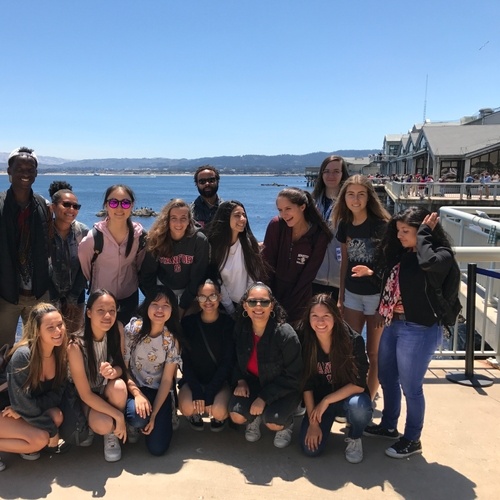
x=460, y=461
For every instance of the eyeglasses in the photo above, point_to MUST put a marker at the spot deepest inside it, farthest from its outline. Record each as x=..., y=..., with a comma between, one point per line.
x=210, y=180
x=113, y=203
x=253, y=302
x=68, y=204
x=213, y=297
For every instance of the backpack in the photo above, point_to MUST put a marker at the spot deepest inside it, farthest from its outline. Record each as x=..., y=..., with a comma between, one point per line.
x=99, y=244
x=447, y=305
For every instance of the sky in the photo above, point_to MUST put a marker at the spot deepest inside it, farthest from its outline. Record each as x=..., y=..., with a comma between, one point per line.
x=202, y=78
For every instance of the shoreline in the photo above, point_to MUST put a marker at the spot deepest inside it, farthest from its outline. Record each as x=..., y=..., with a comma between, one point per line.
x=152, y=176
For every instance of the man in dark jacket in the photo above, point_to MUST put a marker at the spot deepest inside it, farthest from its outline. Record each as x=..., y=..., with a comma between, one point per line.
x=204, y=207
x=25, y=228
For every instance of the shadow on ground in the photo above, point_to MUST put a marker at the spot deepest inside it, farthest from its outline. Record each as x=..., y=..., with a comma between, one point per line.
x=260, y=464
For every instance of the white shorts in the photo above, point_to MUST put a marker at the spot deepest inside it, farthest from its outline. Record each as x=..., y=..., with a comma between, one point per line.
x=367, y=304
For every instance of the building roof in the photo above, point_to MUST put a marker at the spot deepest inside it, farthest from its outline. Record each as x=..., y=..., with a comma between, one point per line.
x=392, y=137
x=460, y=141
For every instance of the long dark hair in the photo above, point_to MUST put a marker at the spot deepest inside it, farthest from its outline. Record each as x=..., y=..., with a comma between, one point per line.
x=173, y=323
x=344, y=369
x=319, y=185
x=220, y=238
x=114, y=351
x=390, y=249
x=131, y=195
x=300, y=197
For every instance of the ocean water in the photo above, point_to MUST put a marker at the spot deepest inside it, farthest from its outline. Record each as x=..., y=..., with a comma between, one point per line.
x=256, y=192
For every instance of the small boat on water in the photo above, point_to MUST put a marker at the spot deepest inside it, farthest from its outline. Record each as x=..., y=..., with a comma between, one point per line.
x=275, y=184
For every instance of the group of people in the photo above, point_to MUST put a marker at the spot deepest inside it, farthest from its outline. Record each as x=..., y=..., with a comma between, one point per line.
x=257, y=330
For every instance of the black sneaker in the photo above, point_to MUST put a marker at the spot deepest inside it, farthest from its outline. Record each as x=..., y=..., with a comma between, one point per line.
x=404, y=448
x=196, y=422
x=379, y=431
x=217, y=425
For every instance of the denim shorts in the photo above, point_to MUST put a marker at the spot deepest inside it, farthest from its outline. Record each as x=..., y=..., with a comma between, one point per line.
x=367, y=304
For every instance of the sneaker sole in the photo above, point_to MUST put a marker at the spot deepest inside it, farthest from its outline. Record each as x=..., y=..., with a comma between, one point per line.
x=282, y=445
x=218, y=429
x=393, y=454
x=381, y=436
x=354, y=461
x=112, y=459
x=196, y=428
x=30, y=458
x=252, y=439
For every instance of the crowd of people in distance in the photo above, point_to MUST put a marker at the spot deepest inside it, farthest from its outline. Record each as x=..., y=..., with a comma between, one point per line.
x=230, y=329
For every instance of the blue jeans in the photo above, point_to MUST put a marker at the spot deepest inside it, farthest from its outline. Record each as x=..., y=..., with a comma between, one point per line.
x=356, y=408
x=158, y=441
x=404, y=354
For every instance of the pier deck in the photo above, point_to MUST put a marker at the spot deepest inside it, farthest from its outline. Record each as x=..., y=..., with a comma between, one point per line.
x=460, y=460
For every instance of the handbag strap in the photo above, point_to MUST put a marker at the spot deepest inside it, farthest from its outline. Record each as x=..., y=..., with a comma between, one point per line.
x=200, y=327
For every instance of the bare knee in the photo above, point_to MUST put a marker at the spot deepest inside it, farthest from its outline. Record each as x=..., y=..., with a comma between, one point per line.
x=100, y=423
x=237, y=418
x=219, y=412
x=116, y=393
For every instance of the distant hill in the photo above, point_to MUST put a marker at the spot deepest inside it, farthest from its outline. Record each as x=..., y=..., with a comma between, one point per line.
x=227, y=164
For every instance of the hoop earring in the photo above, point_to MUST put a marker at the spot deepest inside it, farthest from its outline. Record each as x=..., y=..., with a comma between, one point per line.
x=244, y=314
x=272, y=314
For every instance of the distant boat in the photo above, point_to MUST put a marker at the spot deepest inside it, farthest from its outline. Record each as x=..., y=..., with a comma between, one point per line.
x=275, y=184
x=97, y=173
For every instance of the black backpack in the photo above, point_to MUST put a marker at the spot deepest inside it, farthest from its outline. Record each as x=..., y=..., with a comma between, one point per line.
x=99, y=244
x=446, y=303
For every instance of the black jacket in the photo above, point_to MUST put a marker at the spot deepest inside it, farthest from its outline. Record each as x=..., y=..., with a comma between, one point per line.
x=418, y=297
x=278, y=356
x=40, y=222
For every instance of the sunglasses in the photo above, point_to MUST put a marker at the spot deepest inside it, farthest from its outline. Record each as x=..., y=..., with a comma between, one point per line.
x=210, y=180
x=68, y=204
x=253, y=302
x=113, y=203
x=213, y=297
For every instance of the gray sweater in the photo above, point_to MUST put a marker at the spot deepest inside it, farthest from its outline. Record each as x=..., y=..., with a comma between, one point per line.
x=31, y=404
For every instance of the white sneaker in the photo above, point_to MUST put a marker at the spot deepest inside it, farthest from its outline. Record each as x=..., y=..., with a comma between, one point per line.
x=299, y=411
x=133, y=434
x=354, y=450
x=284, y=437
x=112, y=450
x=30, y=456
x=2, y=466
x=252, y=431
x=88, y=441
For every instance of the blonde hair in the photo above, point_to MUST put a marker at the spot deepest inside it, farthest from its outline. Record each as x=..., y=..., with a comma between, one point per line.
x=31, y=339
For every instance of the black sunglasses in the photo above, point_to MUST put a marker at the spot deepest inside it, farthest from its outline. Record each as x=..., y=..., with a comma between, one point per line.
x=68, y=204
x=210, y=180
x=253, y=302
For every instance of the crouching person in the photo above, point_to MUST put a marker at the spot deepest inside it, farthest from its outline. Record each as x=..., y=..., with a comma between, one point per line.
x=267, y=369
x=98, y=372
x=36, y=377
x=334, y=379
x=152, y=354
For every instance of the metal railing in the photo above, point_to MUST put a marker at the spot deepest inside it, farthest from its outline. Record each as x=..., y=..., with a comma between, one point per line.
x=477, y=240
x=446, y=190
